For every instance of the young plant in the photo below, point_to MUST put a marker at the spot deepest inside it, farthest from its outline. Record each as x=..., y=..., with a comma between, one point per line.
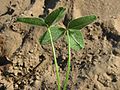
x=72, y=33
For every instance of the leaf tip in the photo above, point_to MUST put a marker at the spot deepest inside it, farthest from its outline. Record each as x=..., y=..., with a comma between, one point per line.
x=18, y=19
x=94, y=17
x=62, y=8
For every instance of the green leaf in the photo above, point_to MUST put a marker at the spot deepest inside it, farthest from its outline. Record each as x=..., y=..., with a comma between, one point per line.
x=76, y=40
x=55, y=16
x=33, y=21
x=56, y=32
x=81, y=22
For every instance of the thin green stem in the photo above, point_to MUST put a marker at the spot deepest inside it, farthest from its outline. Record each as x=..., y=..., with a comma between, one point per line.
x=55, y=60
x=68, y=63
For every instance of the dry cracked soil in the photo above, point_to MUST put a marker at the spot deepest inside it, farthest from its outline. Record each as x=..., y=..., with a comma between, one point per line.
x=27, y=65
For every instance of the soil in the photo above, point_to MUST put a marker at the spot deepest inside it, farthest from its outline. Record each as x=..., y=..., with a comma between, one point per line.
x=27, y=65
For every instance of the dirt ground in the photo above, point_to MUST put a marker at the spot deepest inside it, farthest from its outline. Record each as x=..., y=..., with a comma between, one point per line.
x=27, y=65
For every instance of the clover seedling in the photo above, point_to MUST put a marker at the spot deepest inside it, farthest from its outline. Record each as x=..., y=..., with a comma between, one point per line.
x=54, y=32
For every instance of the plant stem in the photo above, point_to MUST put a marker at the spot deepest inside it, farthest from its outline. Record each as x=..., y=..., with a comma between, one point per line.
x=55, y=60
x=68, y=63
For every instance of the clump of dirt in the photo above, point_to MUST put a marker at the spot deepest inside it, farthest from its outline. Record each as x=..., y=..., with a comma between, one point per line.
x=26, y=65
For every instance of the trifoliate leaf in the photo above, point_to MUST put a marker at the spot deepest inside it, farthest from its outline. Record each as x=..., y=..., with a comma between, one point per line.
x=76, y=40
x=56, y=33
x=55, y=16
x=33, y=21
x=81, y=22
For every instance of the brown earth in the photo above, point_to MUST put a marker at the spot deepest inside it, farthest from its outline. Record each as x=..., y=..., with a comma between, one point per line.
x=26, y=65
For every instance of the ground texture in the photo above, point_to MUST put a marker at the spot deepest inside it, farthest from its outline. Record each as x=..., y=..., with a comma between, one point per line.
x=27, y=65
